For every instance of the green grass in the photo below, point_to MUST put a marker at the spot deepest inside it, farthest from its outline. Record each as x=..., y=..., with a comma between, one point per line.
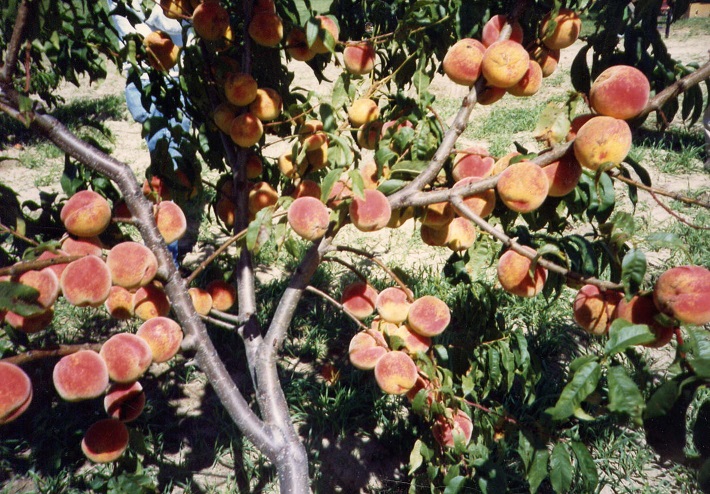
x=688, y=28
x=677, y=150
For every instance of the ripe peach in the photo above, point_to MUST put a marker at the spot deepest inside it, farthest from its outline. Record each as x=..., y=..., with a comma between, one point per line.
x=641, y=309
x=392, y=305
x=472, y=162
x=150, y=301
x=266, y=29
x=602, y=140
x=311, y=134
x=307, y=188
x=124, y=401
x=369, y=134
x=514, y=274
x=30, y=324
x=621, y=91
x=428, y=316
x=504, y=162
x=446, y=431
x=530, y=83
x=412, y=342
x=371, y=212
x=86, y=282
x=132, y=265
x=390, y=128
x=162, y=52
x=163, y=336
x=364, y=352
x=16, y=392
x=287, y=167
x=171, y=221
x=83, y=246
x=482, y=203
x=396, y=373
x=462, y=62
x=106, y=440
x=434, y=236
x=127, y=357
x=223, y=115
x=593, y=309
x=308, y=217
x=438, y=214
x=261, y=196
x=563, y=175
x=460, y=234
x=577, y=123
x=201, y=300
x=267, y=104
x=548, y=60
x=359, y=58
x=328, y=25
x=368, y=172
x=317, y=158
x=297, y=46
x=340, y=191
x=254, y=166
x=683, y=292
x=57, y=268
x=492, y=28
x=176, y=9
x=86, y=214
x=563, y=31
x=80, y=376
x=224, y=209
x=240, y=89
x=490, y=94
x=523, y=186
x=363, y=111
x=246, y=130
x=155, y=189
x=210, y=20
x=45, y=282
x=505, y=63
x=224, y=295
x=400, y=216
x=359, y=299
x=119, y=303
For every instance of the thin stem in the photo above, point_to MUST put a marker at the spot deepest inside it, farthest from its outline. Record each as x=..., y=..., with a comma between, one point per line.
x=337, y=305
x=45, y=353
x=17, y=234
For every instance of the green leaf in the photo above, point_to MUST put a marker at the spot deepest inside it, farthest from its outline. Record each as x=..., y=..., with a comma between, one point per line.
x=455, y=484
x=538, y=469
x=633, y=269
x=581, y=80
x=580, y=361
x=585, y=466
x=583, y=383
x=624, y=395
x=327, y=116
x=561, y=472
x=328, y=182
x=623, y=334
x=415, y=457
x=391, y=186
x=662, y=399
x=553, y=125
x=19, y=299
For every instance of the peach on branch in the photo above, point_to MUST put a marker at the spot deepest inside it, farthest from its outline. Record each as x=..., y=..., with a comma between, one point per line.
x=261, y=196
x=368, y=172
x=359, y=299
x=460, y=234
x=641, y=309
x=30, y=324
x=364, y=351
x=155, y=189
x=523, y=186
x=171, y=221
x=472, y=162
x=254, y=166
x=266, y=29
x=127, y=357
x=80, y=376
x=119, y=303
x=150, y=301
x=210, y=20
x=246, y=130
x=481, y=204
x=327, y=24
x=240, y=89
x=163, y=336
x=621, y=91
x=308, y=217
x=548, y=60
x=428, y=316
x=86, y=214
x=223, y=115
x=176, y=9
x=392, y=305
x=490, y=94
x=363, y=111
x=224, y=209
x=306, y=188
x=391, y=127
x=15, y=392
x=340, y=191
x=369, y=134
x=201, y=301
x=530, y=83
x=462, y=62
x=287, y=167
x=57, y=268
x=359, y=58
x=492, y=28
x=311, y=135
x=602, y=140
x=224, y=295
x=563, y=175
x=106, y=440
x=412, y=342
x=577, y=123
x=505, y=63
x=86, y=282
x=371, y=212
x=162, y=52
x=132, y=265
x=124, y=401
x=594, y=309
x=447, y=430
x=297, y=46
x=396, y=373
x=267, y=104
x=514, y=274
x=562, y=30
x=683, y=292
x=437, y=215
x=45, y=282
x=83, y=246
x=317, y=158
x=434, y=236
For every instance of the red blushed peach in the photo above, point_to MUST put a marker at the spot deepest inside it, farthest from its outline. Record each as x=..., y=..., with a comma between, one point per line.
x=30, y=324
x=434, y=236
x=530, y=83
x=359, y=299
x=162, y=53
x=266, y=29
x=124, y=401
x=150, y=301
x=86, y=214
x=163, y=336
x=155, y=189
x=371, y=212
x=446, y=430
x=492, y=28
x=514, y=274
x=132, y=265
x=15, y=393
x=363, y=111
x=224, y=209
x=240, y=89
x=246, y=130
x=311, y=135
x=490, y=95
x=683, y=292
x=392, y=305
x=329, y=25
x=223, y=115
x=504, y=162
x=83, y=246
x=563, y=31
x=224, y=295
x=428, y=316
x=548, y=60
x=170, y=220
x=364, y=352
x=106, y=440
x=45, y=282
x=390, y=128
x=80, y=376
x=472, y=162
x=340, y=191
x=359, y=58
x=396, y=373
x=261, y=196
x=577, y=123
x=318, y=158
x=119, y=303
x=267, y=104
x=641, y=309
x=593, y=309
x=620, y=91
x=412, y=342
x=297, y=46
x=437, y=215
x=306, y=188
x=523, y=186
x=57, y=268
x=127, y=357
x=481, y=204
x=505, y=63
x=462, y=62
x=369, y=174
x=86, y=282
x=288, y=168
x=308, y=217
x=602, y=140
x=210, y=21
x=201, y=301
x=400, y=216
x=460, y=234
x=369, y=135
x=254, y=166
x=563, y=175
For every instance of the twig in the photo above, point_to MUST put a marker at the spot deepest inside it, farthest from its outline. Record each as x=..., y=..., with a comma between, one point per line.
x=349, y=266
x=12, y=52
x=676, y=215
x=660, y=192
x=672, y=91
x=44, y=353
x=23, y=267
x=489, y=411
x=17, y=234
x=337, y=305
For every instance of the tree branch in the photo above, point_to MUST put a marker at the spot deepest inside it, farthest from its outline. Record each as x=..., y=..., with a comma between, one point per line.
x=12, y=53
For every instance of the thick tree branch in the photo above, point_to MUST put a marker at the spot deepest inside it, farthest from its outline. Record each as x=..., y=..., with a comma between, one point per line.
x=13, y=48
x=672, y=91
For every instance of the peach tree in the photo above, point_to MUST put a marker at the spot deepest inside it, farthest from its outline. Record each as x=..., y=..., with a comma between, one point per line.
x=372, y=153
